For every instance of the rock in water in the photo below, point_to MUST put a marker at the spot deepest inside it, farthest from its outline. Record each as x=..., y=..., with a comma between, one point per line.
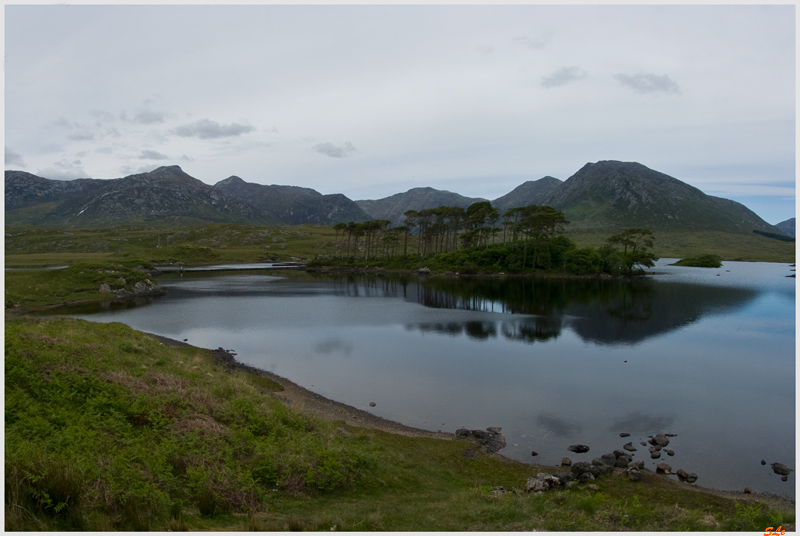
x=624, y=434
x=781, y=469
x=629, y=446
x=663, y=467
x=691, y=478
x=579, y=449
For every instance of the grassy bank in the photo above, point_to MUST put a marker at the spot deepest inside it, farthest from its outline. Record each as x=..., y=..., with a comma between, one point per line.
x=228, y=243
x=107, y=429
x=78, y=282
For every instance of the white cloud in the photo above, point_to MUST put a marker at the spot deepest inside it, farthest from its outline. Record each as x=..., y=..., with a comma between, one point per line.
x=334, y=151
x=563, y=76
x=648, y=83
x=148, y=154
x=206, y=129
x=147, y=117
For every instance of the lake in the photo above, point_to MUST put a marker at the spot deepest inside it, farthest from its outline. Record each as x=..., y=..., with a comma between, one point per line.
x=707, y=354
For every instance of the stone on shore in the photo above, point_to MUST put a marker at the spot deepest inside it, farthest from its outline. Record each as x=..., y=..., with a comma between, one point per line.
x=489, y=440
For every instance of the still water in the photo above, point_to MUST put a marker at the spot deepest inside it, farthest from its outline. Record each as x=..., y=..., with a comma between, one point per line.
x=707, y=354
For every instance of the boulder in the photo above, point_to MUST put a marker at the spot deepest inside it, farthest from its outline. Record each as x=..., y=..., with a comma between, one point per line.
x=629, y=446
x=603, y=469
x=623, y=461
x=624, y=434
x=634, y=475
x=669, y=452
x=608, y=459
x=691, y=478
x=663, y=467
x=655, y=454
x=566, y=461
x=681, y=474
x=564, y=476
x=661, y=440
x=585, y=477
x=638, y=465
x=104, y=288
x=542, y=482
x=579, y=449
x=488, y=441
x=581, y=467
x=781, y=469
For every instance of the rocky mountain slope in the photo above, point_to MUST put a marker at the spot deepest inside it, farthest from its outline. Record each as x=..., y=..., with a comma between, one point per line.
x=606, y=196
x=164, y=194
x=787, y=227
x=393, y=207
x=293, y=205
x=24, y=189
x=612, y=194
x=527, y=193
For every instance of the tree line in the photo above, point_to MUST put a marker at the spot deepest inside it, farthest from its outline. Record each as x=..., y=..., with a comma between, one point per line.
x=522, y=238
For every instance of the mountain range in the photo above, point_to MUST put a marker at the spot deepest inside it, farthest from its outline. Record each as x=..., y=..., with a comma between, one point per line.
x=604, y=195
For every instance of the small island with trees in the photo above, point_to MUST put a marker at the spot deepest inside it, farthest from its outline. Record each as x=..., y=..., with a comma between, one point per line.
x=468, y=240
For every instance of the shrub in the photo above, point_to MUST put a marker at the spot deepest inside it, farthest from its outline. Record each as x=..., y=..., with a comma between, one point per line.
x=706, y=260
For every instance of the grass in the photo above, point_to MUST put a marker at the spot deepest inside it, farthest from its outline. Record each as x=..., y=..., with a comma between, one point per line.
x=728, y=246
x=80, y=281
x=700, y=261
x=107, y=429
x=229, y=243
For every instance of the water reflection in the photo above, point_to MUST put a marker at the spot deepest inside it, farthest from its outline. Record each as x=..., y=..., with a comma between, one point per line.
x=558, y=427
x=640, y=423
x=608, y=312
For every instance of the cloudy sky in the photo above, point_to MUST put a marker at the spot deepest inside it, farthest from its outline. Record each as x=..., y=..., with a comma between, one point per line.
x=370, y=101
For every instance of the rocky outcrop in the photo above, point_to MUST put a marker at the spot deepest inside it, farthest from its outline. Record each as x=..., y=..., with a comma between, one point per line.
x=489, y=440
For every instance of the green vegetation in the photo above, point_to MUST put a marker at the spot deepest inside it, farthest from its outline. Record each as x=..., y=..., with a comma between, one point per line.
x=107, y=429
x=700, y=261
x=80, y=281
x=776, y=236
x=230, y=243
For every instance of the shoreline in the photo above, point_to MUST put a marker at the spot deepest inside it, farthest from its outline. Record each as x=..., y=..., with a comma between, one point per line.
x=305, y=401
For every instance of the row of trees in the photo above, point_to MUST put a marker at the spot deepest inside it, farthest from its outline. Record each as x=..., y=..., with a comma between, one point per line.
x=444, y=229
x=531, y=238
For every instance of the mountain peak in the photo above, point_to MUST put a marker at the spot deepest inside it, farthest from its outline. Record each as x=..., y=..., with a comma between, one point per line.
x=230, y=181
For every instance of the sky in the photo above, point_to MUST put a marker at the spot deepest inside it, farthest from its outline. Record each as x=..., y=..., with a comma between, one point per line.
x=371, y=100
